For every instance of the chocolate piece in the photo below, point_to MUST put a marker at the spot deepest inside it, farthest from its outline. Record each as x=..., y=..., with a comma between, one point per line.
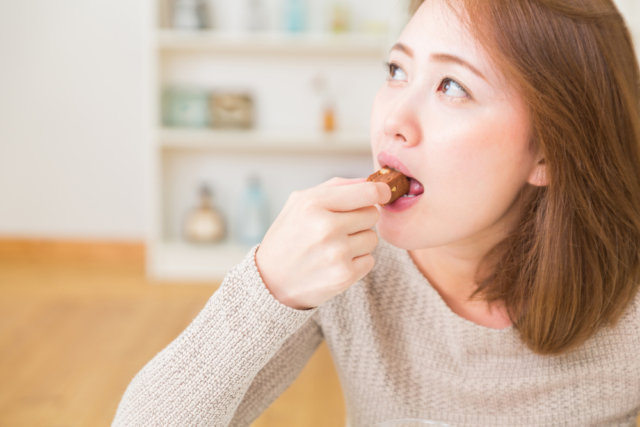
x=397, y=182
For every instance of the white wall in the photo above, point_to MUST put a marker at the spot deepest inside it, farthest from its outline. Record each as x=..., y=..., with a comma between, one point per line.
x=71, y=109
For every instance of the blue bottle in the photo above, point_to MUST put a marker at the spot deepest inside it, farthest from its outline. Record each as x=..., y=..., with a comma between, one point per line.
x=294, y=16
x=253, y=214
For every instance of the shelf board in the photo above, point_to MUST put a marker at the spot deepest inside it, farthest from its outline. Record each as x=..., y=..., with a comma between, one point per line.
x=254, y=141
x=178, y=261
x=348, y=44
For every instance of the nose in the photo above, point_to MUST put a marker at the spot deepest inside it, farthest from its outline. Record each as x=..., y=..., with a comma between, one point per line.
x=401, y=123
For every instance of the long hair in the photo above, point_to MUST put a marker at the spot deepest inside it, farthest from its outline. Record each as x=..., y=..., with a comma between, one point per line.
x=571, y=265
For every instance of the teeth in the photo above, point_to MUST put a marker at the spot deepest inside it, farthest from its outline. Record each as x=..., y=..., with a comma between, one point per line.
x=408, y=195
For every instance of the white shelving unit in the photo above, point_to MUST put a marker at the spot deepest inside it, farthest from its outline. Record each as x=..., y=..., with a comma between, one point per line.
x=169, y=257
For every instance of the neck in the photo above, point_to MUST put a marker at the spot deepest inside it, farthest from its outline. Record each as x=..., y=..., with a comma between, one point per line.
x=451, y=269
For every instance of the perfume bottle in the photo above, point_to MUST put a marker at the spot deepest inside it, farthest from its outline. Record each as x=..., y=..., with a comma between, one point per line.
x=204, y=224
x=294, y=15
x=253, y=213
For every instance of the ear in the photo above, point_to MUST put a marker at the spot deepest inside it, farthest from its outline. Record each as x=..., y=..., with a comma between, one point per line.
x=539, y=176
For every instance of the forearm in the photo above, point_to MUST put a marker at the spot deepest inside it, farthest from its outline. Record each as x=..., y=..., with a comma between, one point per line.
x=202, y=376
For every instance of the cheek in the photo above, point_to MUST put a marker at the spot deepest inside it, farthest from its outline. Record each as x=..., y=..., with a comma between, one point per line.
x=482, y=154
x=378, y=113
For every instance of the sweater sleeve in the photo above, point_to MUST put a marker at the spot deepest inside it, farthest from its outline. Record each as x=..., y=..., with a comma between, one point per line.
x=278, y=373
x=201, y=377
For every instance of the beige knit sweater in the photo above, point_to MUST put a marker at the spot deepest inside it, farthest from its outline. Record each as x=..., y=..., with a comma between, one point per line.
x=399, y=350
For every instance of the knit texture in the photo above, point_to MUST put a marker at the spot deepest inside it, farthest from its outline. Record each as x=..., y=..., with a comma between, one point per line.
x=400, y=352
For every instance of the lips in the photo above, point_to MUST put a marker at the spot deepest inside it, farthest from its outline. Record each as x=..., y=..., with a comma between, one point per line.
x=388, y=160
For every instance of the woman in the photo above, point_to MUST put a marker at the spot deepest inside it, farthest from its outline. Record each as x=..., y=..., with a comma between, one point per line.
x=504, y=290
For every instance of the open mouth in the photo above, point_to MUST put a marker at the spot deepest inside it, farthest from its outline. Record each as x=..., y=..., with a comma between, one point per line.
x=415, y=187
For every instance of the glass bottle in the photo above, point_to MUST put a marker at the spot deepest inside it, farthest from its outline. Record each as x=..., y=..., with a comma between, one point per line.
x=204, y=223
x=329, y=115
x=253, y=213
x=294, y=15
x=328, y=105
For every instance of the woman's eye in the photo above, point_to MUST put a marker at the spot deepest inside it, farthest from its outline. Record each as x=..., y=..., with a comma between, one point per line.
x=452, y=88
x=395, y=72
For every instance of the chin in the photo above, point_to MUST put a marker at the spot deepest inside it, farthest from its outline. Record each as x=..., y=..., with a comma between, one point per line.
x=401, y=236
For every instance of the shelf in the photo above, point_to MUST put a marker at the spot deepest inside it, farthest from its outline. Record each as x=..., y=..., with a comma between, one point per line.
x=182, y=261
x=252, y=141
x=273, y=43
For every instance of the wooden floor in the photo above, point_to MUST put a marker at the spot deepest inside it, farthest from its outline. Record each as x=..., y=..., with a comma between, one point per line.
x=78, y=321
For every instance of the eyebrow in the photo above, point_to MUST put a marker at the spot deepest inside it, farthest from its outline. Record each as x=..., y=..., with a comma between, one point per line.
x=441, y=57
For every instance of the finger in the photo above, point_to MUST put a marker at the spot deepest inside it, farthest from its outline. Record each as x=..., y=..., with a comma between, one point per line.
x=357, y=220
x=362, y=266
x=337, y=181
x=362, y=243
x=347, y=198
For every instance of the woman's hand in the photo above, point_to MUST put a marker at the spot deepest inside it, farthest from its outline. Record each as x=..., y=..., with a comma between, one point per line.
x=320, y=243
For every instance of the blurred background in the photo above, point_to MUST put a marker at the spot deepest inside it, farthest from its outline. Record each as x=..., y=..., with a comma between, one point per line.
x=145, y=146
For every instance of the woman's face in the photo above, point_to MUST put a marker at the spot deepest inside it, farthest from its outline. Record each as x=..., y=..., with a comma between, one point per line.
x=448, y=119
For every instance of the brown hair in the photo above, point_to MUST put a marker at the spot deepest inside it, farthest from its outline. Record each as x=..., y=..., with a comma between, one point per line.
x=571, y=265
